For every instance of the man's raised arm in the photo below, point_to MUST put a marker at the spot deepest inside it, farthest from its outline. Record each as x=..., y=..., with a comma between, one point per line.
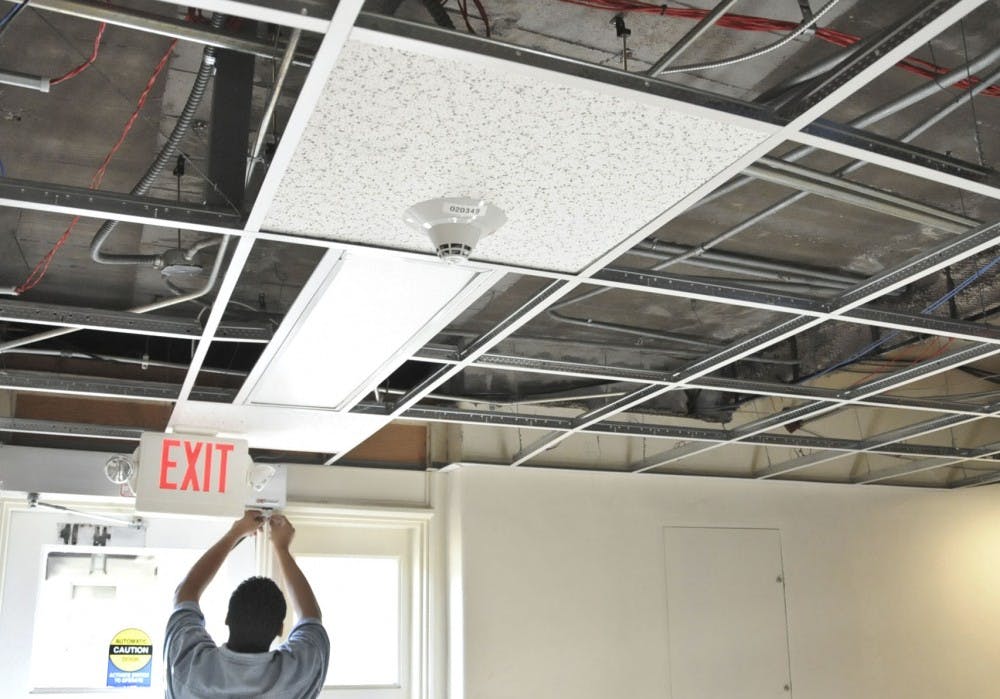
x=299, y=591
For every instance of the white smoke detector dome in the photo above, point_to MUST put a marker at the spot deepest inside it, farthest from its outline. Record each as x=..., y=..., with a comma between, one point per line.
x=455, y=224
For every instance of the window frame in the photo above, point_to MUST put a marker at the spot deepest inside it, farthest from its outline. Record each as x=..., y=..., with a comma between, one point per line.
x=415, y=621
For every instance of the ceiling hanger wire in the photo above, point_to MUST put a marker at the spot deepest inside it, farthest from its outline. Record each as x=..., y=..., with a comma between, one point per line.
x=972, y=100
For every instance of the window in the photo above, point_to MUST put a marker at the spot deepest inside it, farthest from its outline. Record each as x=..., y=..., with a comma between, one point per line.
x=368, y=574
x=360, y=599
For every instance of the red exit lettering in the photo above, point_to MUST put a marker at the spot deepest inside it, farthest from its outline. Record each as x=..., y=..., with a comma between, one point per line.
x=195, y=455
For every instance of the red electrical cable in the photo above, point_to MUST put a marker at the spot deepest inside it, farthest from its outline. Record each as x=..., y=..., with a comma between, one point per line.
x=86, y=64
x=95, y=182
x=912, y=64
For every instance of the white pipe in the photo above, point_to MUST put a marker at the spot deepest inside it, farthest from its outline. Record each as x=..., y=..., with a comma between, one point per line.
x=9, y=291
x=32, y=82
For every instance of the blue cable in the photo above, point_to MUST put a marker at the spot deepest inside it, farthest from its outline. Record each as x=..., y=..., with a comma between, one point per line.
x=3, y=170
x=932, y=307
x=11, y=12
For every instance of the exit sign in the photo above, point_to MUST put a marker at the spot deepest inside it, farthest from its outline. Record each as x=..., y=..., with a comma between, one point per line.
x=192, y=474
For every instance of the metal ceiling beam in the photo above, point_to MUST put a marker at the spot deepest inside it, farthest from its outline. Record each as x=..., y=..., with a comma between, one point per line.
x=97, y=387
x=899, y=162
x=161, y=25
x=973, y=481
x=746, y=295
x=805, y=179
x=91, y=203
x=871, y=142
x=952, y=251
x=69, y=429
x=553, y=367
x=931, y=19
x=881, y=440
x=654, y=431
x=815, y=409
x=121, y=322
x=690, y=37
x=921, y=465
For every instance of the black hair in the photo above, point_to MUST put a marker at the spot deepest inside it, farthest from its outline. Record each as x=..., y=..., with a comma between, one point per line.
x=256, y=612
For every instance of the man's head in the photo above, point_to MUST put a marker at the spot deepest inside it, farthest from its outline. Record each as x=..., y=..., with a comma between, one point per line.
x=256, y=615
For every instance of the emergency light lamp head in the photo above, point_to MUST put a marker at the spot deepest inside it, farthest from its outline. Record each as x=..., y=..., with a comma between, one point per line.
x=119, y=469
x=455, y=224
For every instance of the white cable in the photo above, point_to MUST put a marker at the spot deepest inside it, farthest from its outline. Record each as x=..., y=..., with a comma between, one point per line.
x=754, y=54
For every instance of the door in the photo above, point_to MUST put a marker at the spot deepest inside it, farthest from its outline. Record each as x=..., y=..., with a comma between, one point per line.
x=726, y=607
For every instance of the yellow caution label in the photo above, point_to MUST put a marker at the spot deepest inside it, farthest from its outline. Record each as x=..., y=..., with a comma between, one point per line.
x=130, y=650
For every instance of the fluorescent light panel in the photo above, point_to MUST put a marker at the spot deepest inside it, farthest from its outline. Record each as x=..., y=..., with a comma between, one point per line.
x=367, y=318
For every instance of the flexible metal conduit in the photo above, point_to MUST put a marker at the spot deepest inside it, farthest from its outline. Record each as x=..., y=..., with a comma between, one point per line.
x=166, y=154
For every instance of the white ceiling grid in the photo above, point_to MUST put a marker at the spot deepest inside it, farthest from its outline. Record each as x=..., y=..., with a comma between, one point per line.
x=583, y=169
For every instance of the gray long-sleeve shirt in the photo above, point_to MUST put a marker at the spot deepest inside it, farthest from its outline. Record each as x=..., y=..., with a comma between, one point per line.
x=198, y=669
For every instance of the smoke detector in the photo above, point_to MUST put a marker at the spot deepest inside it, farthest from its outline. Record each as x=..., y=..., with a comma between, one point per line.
x=455, y=224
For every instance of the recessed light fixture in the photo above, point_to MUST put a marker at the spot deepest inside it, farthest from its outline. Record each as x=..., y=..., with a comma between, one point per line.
x=455, y=224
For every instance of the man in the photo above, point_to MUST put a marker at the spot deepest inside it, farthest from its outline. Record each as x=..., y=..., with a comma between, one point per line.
x=243, y=667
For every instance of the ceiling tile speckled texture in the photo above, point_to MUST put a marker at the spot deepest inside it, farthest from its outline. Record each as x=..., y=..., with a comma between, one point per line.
x=576, y=170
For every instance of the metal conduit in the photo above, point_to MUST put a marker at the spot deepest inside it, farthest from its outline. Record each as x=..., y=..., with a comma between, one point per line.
x=859, y=195
x=749, y=265
x=692, y=36
x=167, y=152
x=913, y=133
x=876, y=115
x=779, y=94
x=655, y=335
x=765, y=280
x=279, y=81
x=879, y=113
x=148, y=308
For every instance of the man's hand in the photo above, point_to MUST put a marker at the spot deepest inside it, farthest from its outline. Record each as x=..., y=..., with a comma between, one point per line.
x=248, y=524
x=282, y=532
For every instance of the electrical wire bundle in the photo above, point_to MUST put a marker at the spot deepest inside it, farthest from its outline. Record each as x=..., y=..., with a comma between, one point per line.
x=42, y=267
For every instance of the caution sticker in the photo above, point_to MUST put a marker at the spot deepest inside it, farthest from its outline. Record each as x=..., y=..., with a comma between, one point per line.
x=130, y=659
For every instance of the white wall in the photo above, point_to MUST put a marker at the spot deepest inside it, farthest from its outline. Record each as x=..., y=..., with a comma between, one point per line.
x=890, y=592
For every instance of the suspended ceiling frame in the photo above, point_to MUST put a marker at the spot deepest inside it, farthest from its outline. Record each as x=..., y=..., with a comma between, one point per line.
x=804, y=126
